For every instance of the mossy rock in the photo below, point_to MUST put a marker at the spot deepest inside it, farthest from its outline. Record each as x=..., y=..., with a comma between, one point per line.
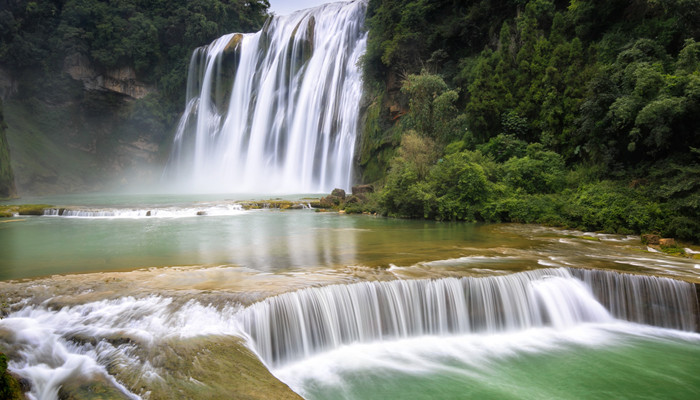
x=10, y=388
x=674, y=251
x=23, y=209
x=273, y=204
x=206, y=368
x=339, y=193
x=97, y=388
x=32, y=209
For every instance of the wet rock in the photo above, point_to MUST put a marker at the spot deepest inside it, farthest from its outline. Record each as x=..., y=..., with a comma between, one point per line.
x=650, y=239
x=340, y=193
x=232, y=45
x=296, y=207
x=330, y=201
x=201, y=213
x=11, y=388
x=95, y=387
x=360, y=189
x=353, y=200
x=667, y=242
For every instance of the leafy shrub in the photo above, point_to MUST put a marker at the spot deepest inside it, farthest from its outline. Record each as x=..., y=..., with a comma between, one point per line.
x=610, y=207
x=540, y=171
x=503, y=147
x=460, y=186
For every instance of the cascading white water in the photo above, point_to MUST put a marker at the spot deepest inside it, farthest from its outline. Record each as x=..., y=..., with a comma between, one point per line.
x=50, y=346
x=275, y=111
x=228, y=209
x=650, y=300
x=299, y=324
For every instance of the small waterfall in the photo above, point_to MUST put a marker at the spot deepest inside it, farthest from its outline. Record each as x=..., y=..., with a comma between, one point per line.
x=277, y=110
x=151, y=212
x=295, y=325
x=650, y=300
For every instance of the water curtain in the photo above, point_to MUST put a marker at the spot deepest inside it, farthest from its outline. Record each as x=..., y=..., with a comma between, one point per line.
x=295, y=325
x=277, y=110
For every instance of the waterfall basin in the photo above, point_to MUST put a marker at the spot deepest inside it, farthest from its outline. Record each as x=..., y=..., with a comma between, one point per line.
x=164, y=314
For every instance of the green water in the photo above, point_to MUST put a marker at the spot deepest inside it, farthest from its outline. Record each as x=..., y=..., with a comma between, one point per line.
x=622, y=365
x=264, y=240
x=158, y=277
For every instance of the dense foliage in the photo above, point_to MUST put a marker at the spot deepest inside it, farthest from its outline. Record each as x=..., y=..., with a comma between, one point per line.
x=581, y=113
x=154, y=37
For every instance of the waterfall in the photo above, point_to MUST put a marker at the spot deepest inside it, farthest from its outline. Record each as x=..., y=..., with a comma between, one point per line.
x=277, y=110
x=296, y=325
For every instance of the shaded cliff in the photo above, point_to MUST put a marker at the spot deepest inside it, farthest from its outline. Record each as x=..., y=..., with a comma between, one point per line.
x=92, y=89
x=7, y=178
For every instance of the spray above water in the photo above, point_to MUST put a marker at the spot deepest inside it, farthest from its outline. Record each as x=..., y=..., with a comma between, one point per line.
x=274, y=111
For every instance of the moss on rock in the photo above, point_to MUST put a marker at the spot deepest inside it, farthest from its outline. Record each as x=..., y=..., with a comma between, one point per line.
x=10, y=388
x=23, y=209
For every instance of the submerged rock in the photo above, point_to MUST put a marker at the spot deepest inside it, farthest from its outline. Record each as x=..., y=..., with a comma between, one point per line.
x=90, y=388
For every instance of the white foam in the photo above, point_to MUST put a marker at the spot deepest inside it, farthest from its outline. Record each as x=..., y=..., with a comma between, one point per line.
x=155, y=212
x=51, y=347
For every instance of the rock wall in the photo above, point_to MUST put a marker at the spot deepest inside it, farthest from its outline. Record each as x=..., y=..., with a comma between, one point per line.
x=79, y=130
x=121, y=80
x=7, y=178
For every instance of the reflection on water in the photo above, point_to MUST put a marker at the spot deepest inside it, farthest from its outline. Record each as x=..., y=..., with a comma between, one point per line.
x=158, y=295
x=262, y=240
x=274, y=241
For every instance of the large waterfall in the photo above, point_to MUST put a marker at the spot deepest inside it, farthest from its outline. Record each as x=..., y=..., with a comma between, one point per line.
x=296, y=325
x=277, y=110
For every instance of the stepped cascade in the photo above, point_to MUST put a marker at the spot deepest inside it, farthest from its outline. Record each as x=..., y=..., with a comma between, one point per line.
x=277, y=110
x=296, y=325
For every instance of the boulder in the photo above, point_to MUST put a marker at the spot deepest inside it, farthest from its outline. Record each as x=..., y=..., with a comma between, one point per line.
x=667, y=242
x=339, y=193
x=361, y=189
x=353, y=200
x=650, y=239
x=329, y=201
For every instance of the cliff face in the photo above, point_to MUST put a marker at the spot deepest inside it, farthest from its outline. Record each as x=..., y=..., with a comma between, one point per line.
x=120, y=80
x=7, y=179
x=82, y=130
x=92, y=89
